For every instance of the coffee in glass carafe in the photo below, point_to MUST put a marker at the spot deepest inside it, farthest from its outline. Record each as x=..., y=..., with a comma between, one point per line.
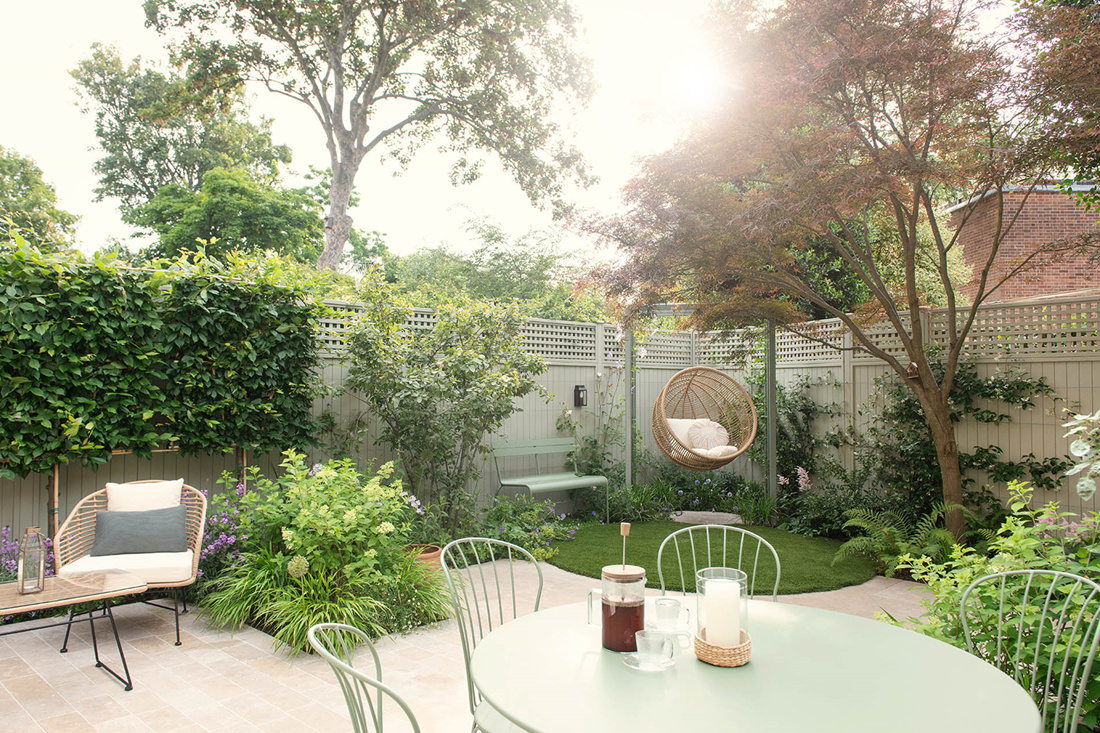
x=622, y=606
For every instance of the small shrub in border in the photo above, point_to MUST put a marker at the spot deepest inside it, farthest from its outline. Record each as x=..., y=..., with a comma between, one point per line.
x=325, y=543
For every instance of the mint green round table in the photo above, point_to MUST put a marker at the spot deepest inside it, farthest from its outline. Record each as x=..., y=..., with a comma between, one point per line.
x=811, y=670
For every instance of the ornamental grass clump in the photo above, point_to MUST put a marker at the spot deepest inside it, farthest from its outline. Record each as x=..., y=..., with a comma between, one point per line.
x=324, y=543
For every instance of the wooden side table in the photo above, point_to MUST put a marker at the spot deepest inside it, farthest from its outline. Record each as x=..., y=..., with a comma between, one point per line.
x=70, y=590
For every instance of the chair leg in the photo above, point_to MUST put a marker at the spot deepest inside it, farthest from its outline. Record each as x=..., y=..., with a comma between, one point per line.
x=176, y=609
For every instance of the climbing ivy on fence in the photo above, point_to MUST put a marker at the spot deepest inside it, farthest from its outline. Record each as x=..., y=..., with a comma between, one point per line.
x=99, y=357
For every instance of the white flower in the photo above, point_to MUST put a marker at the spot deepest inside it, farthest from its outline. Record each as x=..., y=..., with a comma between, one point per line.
x=385, y=528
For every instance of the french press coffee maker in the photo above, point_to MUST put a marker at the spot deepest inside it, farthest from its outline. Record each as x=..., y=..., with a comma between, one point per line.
x=622, y=601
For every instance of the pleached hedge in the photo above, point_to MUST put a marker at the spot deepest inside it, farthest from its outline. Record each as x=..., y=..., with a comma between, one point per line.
x=97, y=356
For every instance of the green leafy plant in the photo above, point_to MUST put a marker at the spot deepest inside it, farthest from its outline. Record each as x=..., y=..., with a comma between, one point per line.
x=1029, y=539
x=888, y=538
x=900, y=444
x=598, y=431
x=1086, y=449
x=531, y=524
x=796, y=409
x=324, y=542
x=241, y=359
x=83, y=369
x=438, y=392
x=103, y=357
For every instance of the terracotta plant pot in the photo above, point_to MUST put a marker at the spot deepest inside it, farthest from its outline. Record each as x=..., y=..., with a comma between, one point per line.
x=428, y=554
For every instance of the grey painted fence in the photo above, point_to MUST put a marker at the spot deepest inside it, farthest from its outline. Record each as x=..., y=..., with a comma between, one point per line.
x=1057, y=339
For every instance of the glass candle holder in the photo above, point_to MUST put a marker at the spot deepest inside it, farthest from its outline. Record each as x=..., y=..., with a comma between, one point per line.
x=31, y=563
x=723, y=605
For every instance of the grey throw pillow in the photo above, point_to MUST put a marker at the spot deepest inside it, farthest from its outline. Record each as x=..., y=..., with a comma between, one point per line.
x=128, y=533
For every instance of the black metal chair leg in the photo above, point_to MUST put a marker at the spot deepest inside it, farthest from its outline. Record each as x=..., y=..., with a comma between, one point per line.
x=68, y=628
x=184, y=595
x=95, y=644
x=176, y=608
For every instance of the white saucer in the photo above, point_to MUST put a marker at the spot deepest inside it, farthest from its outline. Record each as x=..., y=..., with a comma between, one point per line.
x=631, y=660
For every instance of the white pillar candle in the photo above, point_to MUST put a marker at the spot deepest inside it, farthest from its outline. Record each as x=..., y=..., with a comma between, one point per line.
x=722, y=607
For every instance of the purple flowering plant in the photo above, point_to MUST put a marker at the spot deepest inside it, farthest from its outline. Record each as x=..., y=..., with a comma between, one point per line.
x=533, y=525
x=225, y=538
x=9, y=555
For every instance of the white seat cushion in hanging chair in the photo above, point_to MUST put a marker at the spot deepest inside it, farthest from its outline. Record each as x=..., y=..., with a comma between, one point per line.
x=718, y=451
x=679, y=429
x=707, y=434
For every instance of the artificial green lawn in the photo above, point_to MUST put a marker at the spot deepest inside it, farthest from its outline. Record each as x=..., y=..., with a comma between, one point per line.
x=804, y=560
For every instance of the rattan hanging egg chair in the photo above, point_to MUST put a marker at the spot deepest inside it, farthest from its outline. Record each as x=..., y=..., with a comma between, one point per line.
x=690, y=399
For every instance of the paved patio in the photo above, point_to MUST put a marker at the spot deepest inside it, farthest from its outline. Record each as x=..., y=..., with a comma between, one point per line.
x=218, y=681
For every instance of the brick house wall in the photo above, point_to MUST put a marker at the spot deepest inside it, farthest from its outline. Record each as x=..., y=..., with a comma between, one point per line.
x=1047, y=216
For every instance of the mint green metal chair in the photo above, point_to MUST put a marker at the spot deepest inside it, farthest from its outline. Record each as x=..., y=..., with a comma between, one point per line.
x=363, y=691
x=717, y=546
x=1042, y=629
x=483, y=594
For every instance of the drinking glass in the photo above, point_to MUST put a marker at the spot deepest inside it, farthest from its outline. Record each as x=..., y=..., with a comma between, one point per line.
x=673, y=620
x=655, y=649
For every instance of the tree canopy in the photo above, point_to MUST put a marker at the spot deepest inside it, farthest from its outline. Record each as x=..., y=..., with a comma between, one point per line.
x=236, y=211
x=31, y=204
x=1061, y=53
x=528, y=270
x=479, y=75
x=854, y=125
x=158, y=128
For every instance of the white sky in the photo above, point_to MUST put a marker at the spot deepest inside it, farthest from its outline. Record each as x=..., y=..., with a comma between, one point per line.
x=648, y=61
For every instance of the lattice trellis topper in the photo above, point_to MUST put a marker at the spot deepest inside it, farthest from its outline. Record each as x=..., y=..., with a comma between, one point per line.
x=561, y=341
x=1055, y=328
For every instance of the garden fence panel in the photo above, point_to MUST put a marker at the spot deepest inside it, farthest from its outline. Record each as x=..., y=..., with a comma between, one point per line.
x=1058, y=339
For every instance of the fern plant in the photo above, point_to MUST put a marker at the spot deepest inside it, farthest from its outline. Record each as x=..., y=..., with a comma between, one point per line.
x=888, y=537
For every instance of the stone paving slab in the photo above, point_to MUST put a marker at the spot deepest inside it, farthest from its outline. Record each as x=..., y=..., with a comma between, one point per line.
x=705, y=518
x=222, y=681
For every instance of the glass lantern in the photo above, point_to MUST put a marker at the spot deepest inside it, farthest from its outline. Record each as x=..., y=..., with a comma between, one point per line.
x=31, y=565
x=723, y=606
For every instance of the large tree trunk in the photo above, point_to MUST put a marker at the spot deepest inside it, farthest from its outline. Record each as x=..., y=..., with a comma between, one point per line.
x=338, y=223
x=939, y=421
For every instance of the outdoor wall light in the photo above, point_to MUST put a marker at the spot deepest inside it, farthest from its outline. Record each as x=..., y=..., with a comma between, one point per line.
x=580, y=396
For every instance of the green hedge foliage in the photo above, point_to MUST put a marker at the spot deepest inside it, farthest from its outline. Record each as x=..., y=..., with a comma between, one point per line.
x=99, y=357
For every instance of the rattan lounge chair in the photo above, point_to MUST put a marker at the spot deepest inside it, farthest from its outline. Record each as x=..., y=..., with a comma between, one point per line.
x=160, y=570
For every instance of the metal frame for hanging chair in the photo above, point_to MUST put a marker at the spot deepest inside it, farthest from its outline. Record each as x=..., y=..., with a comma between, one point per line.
x=697, y=393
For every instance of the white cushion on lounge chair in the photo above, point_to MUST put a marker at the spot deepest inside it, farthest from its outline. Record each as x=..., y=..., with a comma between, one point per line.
x=152, y=567
x=143, y=497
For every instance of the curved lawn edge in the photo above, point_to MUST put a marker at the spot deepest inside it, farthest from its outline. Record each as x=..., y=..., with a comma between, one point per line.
x=805, y=561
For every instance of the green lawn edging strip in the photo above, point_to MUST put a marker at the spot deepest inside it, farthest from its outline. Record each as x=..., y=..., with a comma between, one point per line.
x=805, y=561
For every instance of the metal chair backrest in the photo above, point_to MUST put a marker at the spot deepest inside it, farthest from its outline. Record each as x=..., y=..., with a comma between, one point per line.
x=1046, y=626
x=483, y=590
x=363, y=691
x=711, y=545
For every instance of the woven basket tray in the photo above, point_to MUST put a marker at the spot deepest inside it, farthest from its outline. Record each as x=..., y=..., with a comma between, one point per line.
x=724, y=656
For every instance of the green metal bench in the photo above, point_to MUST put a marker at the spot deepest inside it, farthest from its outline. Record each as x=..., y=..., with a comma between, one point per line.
x=539, y=482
